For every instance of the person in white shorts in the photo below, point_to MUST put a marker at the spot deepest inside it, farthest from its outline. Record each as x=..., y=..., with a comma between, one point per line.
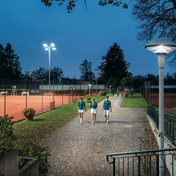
x=81, y=107
x=107, y=108
x=93, y=109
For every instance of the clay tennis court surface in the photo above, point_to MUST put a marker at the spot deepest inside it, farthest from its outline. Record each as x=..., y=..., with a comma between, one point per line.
x=169, y=100
x=16, y=103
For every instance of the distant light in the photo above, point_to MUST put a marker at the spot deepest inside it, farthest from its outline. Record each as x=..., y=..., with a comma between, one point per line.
x=46, y=48
x=45, y=45
x=89, y=85
x=53, y=45
x=53, y=48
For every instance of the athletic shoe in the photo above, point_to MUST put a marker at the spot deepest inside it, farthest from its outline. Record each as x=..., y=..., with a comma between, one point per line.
x=92, y=122
x=107, y=122
x=81, y=122
x=95, y=120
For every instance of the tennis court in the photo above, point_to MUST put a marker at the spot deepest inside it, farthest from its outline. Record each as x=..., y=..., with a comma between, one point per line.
x=14, y=104
x=169, y=100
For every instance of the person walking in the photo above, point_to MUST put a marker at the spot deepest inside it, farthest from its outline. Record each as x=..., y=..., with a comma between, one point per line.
x=113, y=91
x=93, y=110
x=81, y=107
x=107, y=108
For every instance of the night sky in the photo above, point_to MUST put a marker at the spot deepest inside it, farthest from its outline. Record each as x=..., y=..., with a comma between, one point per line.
x=82, y=34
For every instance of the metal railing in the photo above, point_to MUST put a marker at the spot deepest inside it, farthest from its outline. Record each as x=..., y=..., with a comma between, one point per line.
x=169, y=122
x=142, y=163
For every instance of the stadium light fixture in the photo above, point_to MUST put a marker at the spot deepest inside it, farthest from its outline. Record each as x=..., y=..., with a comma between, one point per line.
x=52, y=46
x=161, y=47
x=89, y=88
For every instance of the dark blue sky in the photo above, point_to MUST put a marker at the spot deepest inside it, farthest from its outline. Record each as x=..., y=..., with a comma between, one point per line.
x=82, y=34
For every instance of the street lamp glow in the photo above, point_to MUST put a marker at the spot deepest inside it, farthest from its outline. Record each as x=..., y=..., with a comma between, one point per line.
x=52, y=45
x=49, y=48
x=161, y=47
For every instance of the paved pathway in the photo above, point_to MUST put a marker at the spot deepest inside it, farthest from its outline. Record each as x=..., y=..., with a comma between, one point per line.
x=81, y=149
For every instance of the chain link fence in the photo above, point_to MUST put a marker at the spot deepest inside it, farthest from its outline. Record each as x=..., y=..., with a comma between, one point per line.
x=150, y=92
x=16, y=95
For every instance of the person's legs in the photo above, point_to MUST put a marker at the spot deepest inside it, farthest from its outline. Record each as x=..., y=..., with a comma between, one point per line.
x=107, y=116
x=82, y=117
x=95, y=116
x=92, y=116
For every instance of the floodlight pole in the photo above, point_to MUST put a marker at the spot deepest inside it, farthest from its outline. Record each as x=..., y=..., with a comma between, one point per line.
x=49, y=49
x=161, y=47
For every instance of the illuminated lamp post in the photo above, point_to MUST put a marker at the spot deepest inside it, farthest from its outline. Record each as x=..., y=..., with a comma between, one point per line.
x=161, y=47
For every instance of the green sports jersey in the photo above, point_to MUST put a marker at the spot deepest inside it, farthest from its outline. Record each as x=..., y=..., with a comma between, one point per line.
x=93, y=105
x=107, y=105
x=81, y=105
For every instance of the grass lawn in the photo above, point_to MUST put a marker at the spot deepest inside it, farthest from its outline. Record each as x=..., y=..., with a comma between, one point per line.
x=43, y=124
x=135, y=101
x=172, y=112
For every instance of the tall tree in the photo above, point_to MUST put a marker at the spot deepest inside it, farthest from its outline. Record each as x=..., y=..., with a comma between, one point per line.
x=114, y=65
x=86, y=71
x=9, y=63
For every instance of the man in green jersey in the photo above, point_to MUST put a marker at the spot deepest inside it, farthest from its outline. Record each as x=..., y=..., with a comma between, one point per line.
x=81, y=107
x=107, y=108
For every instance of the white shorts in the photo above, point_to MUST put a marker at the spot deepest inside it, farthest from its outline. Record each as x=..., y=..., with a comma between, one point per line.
x=106, y=112
x=93, y=111
x=80, y=110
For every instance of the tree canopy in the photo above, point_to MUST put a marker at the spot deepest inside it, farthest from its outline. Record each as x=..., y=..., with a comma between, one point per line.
x=9, y=63
x=113, y=65
x=56, y=73
x=86, y=71
x=72, y=3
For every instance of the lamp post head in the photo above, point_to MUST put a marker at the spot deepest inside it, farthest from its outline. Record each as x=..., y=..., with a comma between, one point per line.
x=161, y=46
x=109, y=85
x=89, y=85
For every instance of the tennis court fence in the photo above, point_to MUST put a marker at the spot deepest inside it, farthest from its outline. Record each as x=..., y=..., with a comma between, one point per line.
x=16, y=95
x=150, y=92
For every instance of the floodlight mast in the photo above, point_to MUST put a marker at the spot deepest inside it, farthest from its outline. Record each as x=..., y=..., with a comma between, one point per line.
x=52, y=46
x=161, y=47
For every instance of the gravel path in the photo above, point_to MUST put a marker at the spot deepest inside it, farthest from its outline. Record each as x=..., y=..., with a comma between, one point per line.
x=81, y=149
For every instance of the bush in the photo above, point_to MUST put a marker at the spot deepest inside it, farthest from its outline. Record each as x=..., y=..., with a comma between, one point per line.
x=88, y=97
x=103, y=93
x=36, y=151
x=6, y=133
x=28, y=112
x=126, y=92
